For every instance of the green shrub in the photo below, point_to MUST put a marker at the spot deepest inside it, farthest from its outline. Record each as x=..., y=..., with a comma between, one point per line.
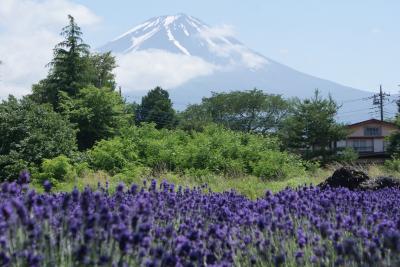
x=214, y=150
x=58, y=169
x=347, y=155
x=277, y=165
x=132, y=174
x=112, y=155
x=311, y=166
x=393, y=164
x=11, y=165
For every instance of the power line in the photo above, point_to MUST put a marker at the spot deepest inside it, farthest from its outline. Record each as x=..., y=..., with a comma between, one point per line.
x=353, y=111
x=379, y=99
x=356, y=99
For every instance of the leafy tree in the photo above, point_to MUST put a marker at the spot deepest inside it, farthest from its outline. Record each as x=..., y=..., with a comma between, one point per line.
x=98, y=113
x=156, y=107
x=30, y=133
x=394, y=138
x=195, y=118
x=247, y=111
x=311, y=128
x=101, y=66
x=68, y=69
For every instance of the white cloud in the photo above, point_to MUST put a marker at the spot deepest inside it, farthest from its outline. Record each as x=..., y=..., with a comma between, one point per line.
x=143, y=70
x=29, y=29
x=219, y=41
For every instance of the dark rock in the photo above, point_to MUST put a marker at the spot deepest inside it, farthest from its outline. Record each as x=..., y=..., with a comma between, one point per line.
x=357, y=180
x=380, y=183
x=346, y=177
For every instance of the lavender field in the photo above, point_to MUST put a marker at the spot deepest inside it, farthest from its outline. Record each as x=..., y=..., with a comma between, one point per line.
x=161, y=225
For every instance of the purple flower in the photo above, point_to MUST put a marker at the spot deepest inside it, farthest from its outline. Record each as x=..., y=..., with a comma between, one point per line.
x=6, y=211
x=120, y=187
x=4, y=259
x=81, y=253
x=47, y=186
x=34, y=260
x=24, y=177
x=192, y=227
x=279, y=259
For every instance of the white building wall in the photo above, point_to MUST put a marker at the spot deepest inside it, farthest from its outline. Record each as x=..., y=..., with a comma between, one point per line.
x=378, y=145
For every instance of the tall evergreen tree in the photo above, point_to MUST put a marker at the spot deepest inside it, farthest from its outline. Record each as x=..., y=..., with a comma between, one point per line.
x=156, y=107
x=68, y=69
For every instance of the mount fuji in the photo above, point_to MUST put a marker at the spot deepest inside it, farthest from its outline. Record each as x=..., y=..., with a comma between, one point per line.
x=192, y=59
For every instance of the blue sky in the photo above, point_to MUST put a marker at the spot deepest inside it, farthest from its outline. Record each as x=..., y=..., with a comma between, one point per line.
x=353, y=42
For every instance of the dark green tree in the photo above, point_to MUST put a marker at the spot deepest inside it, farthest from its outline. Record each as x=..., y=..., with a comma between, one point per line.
x=30, y=133
x=247, y=111
x=68, y=69
x=156, y=107
x=311, y=129
x=394, y=138
x=98, y=114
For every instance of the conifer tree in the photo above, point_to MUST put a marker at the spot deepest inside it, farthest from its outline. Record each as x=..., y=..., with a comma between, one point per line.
x=311, y=128
x=157, y=107
x=68, y=69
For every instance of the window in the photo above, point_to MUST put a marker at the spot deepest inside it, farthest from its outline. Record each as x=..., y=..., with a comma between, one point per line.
x=372, y=131
x=363, y=145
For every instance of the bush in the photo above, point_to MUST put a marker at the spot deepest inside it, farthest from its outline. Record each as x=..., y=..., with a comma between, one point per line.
x=112, y=155
x=58, y=169
x=131, y=174
x=393, y=164
x=214, y=150
x=11, y=165
x=275, y=165
x=347, y=155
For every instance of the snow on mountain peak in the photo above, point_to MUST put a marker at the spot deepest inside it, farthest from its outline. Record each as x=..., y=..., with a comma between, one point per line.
x=186, y=35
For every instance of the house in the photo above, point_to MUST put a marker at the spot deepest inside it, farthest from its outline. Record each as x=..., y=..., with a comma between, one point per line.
x=368, y=137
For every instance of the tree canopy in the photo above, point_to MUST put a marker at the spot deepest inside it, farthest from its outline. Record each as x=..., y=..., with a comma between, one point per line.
x=30, y=133
x=98, y=114
x=100, y=67
x=311, y=127
x=247, y=111
x=156, y=107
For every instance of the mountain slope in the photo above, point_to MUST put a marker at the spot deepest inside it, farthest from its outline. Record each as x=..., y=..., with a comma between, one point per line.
x=231, y=65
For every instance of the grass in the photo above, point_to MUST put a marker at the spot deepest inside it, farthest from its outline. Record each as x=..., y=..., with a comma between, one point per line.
x=251, y=186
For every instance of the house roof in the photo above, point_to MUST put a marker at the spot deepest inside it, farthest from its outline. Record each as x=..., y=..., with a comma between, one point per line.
x=391, y=124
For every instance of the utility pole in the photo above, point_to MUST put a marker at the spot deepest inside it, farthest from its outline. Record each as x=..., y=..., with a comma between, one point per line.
x=379, y=99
